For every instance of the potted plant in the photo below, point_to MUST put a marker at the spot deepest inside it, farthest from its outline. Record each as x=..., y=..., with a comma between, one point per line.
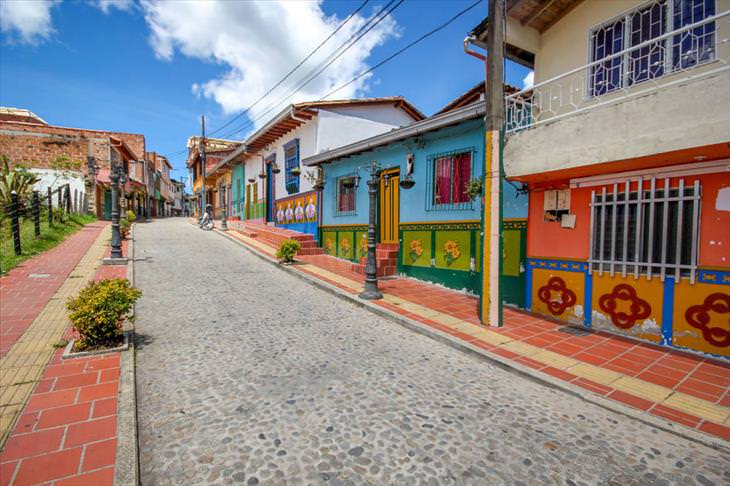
x=275, y=168
x=407, y=182
x=287, y=251
x=474, y=188
x=296, y=171
x=262, y=175
x=251, y=180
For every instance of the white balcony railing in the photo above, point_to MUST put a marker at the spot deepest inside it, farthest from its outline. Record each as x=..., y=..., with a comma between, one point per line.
x=697, y=50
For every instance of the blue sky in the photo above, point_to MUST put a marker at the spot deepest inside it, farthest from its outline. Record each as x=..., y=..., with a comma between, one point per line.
x=105, y=70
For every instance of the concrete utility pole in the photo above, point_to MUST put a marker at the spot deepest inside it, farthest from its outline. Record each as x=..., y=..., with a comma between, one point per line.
x=491, y=308
x=202, y=164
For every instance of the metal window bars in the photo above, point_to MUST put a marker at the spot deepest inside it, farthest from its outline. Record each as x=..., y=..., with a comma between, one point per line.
x=636, y=69
x=431, y=203
x=645, y=232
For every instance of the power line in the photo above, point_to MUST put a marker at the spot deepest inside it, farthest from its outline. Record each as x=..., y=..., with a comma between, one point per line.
x=367, y=27
x=405, y=48
x=308, y=56
x=287, y=75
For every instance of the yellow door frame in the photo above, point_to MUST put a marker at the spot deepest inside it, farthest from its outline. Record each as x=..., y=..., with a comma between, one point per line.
x=389, y=220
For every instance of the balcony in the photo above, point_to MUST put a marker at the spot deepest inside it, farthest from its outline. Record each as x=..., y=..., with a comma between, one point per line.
x=666, y=94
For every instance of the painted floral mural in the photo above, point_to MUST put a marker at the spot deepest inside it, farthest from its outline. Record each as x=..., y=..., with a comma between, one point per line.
x=624, y=306
x=700, y=317
x=557, y=296
x=451, y=252
x=416, y=249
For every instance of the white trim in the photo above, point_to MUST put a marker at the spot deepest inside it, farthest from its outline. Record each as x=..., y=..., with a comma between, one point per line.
x=683, y=170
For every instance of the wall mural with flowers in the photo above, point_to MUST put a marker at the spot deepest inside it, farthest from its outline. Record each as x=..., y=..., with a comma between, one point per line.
x=347, y=242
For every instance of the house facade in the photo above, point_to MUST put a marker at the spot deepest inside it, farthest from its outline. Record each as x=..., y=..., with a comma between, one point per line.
x=624, y=144
x=428, y=225
x=216, y=151
x=61, y=155
x=264, y=178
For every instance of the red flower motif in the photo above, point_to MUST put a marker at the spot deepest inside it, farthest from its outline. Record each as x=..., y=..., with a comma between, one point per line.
x=565, y=298
x=638, y=308
x=698, y=316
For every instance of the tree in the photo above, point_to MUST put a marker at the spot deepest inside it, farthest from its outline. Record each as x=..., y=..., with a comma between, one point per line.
x=18, y=179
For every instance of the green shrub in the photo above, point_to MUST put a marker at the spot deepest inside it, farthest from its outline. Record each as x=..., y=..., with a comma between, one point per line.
x=126, y=224
x=98, y=312
x=288, y=250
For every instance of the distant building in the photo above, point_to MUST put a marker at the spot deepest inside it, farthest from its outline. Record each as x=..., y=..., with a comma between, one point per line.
x=60, y=156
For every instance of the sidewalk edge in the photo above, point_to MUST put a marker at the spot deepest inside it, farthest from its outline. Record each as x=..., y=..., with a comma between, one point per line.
x=504, y=363
x=126, y=468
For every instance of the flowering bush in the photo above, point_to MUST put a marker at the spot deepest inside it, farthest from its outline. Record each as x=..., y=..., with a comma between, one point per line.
x=99, y=310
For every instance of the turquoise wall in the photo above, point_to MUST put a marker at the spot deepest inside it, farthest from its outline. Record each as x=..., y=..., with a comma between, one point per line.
x=238, y=190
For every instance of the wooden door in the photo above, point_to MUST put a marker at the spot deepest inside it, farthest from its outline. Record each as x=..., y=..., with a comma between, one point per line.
x=248, y=201
x=389, y=205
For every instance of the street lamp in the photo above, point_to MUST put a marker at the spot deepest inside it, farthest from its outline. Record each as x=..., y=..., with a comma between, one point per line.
x=123, y=195
x=116, y=237
x=224, y=223
x=370, y=290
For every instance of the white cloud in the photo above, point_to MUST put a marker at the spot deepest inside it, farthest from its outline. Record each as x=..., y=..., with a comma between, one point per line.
x=529, y=80
x=28, y=21
x=106, y=6
x=259, y=42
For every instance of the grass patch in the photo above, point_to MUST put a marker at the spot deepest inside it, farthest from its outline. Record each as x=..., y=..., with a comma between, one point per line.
x=31, y=246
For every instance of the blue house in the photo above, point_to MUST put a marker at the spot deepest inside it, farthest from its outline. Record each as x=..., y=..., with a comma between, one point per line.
x=428, y=225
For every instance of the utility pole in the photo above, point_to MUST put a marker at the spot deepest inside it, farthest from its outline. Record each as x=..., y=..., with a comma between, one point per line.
x=491, y=303
x=202, y=163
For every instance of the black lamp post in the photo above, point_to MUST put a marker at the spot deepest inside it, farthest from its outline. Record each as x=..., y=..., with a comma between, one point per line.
x=116, y=237
x=370, y=290
x=123, y=195
x=224, y=223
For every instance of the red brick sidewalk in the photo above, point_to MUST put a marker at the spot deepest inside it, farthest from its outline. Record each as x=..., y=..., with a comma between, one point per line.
x=67, y=432
x=664, y=382
x=27, y=288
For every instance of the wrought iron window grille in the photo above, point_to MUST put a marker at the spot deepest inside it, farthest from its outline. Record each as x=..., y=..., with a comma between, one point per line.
x=645, y=232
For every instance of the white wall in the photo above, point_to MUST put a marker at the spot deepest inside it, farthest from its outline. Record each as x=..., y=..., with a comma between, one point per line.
x=55, y=179
x=675, y=118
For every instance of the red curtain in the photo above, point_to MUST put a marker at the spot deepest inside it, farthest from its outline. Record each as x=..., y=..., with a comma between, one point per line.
x=443, y=180
x=347, y=198
x=462, y=173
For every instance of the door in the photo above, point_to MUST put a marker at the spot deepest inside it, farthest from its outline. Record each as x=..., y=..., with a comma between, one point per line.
x=269, y=193
x=389, y=205
x=248, y=201
x=107, y=204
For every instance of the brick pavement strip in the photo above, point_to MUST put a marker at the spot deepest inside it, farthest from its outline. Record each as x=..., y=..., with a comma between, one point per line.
x=23, y=364
x=247, y=375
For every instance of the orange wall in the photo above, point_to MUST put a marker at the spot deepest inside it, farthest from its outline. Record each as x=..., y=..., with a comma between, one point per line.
x=551, y=241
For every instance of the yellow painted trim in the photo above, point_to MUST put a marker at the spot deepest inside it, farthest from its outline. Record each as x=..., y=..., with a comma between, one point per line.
x=514, y=219
x=458, y=221
x=484, y=311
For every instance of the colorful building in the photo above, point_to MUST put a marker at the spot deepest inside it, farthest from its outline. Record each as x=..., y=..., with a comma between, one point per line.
x=428, y=225
x=268, y=182
x=625, y=156
x=216, y=150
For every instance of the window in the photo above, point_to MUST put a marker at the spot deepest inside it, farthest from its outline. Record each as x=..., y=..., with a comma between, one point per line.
x=644, y=232
x=451, y=175
x=291, y=164
x=645, y=60
x=346, y=195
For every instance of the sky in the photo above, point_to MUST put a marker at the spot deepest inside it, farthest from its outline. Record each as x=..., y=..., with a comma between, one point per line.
x=154, y=67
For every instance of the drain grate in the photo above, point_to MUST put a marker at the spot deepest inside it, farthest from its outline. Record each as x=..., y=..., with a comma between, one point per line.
x=574, y=331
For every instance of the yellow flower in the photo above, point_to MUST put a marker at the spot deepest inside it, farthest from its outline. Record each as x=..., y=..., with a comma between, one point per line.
x=417, y=247
x=452, y=248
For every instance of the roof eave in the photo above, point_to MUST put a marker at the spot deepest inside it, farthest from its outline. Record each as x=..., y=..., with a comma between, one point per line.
x=434, y=123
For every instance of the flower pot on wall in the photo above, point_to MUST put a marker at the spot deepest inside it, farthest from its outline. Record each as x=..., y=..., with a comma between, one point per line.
x=296, y=171
x=407, y=183
x=252, y=180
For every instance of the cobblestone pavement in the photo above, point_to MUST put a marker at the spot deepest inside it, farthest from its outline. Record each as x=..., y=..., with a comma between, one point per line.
x=248, y=375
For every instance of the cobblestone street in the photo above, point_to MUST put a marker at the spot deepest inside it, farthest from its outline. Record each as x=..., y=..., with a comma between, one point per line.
x=249, y=375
